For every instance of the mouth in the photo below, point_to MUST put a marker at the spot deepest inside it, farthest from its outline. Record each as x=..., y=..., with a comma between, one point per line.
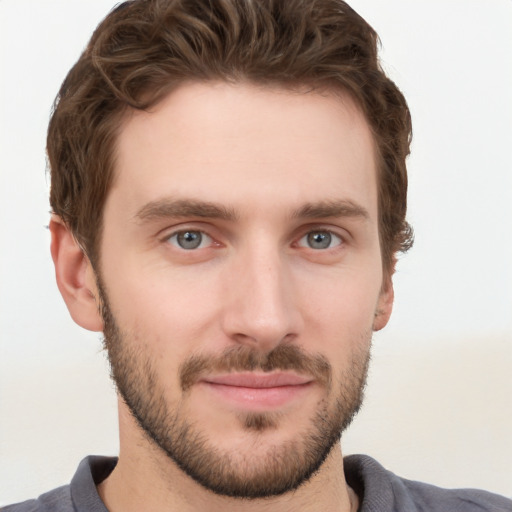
x=257, y=391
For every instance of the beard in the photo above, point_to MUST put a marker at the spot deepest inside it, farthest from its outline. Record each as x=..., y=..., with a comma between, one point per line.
x=260, y=471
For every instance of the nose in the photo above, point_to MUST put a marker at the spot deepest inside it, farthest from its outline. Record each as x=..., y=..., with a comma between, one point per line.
x=261, y=310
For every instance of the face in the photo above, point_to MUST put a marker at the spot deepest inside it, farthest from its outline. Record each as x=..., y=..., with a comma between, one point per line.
x=241, y=279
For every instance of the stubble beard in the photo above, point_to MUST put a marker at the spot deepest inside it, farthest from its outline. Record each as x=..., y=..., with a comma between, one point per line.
x=260, y=471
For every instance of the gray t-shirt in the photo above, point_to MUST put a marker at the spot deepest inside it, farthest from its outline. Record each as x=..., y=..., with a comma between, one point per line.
x=379, y=490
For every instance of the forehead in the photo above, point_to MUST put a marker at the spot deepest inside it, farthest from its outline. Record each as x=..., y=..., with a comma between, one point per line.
x=246, y=145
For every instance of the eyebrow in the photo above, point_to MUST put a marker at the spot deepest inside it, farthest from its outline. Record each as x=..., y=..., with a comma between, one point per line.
x=335, y=208
x=184, y=208
x=181, y=208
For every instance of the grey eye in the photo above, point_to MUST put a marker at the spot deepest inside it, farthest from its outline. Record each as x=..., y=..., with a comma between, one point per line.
x=320, y=240
x=189, y=240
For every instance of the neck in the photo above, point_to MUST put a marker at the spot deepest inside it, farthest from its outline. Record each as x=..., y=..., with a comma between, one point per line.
x=146, y=479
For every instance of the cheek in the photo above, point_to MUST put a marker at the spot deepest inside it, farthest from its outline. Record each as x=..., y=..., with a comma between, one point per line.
x=169, y=310
x=341, y=303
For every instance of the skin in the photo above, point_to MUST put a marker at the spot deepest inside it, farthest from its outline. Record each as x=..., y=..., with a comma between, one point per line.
x=263, y=155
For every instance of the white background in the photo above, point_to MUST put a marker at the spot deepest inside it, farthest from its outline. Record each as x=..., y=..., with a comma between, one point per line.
x=439, y=400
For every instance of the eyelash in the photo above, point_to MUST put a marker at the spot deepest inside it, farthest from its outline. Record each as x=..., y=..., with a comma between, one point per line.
x=185, y=232
x=330, y=237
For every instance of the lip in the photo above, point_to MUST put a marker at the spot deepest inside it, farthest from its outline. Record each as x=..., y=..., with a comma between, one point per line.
x=258, y=380
x=257, y=391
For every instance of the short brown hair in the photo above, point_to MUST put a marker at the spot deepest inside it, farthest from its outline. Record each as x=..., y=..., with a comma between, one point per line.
x=145, y=48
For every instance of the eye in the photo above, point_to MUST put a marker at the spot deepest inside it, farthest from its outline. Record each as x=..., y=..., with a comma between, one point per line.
x=190, y=239
x=320, y=239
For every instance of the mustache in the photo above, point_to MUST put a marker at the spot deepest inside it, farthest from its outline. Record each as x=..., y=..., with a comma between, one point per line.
x=246, y=359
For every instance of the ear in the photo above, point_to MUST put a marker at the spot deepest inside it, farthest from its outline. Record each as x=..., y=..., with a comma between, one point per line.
x=384, y=304
x=75, y=277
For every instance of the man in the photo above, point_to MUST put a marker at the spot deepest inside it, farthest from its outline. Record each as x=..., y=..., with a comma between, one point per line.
x=229, y=196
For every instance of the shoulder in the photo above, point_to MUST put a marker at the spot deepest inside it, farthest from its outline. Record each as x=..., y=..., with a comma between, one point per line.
x=381, y=490
x=58, y=500
x=429, y=497
x=81, y=494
